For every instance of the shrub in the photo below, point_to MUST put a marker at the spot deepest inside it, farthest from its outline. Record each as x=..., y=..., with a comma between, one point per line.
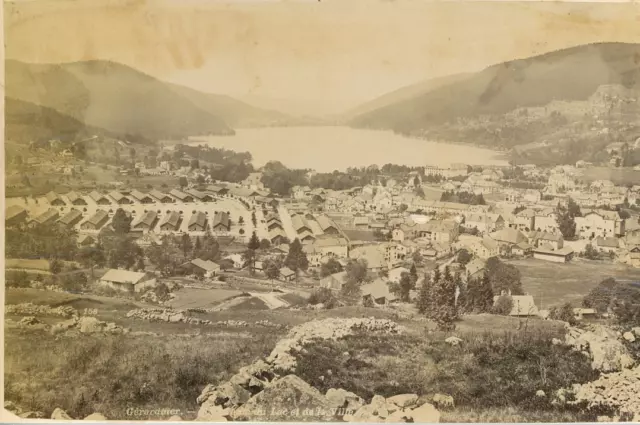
x=503, y=305
x=487, y=371
x=323, y=296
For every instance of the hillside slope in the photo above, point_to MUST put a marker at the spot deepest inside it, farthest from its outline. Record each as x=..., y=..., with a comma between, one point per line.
x=120, y=99
x=26, y=122
x=402, y=94
x=571, y=74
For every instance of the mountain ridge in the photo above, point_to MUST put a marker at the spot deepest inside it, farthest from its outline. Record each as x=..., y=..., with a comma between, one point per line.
x=123, y=100
x=503, y=87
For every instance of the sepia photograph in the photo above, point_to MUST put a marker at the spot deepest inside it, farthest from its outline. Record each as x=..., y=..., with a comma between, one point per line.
x=399, y=211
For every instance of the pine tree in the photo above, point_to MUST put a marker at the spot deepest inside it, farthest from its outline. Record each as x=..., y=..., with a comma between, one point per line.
x=254, y=242
x=414, y=275
x=296, y=258
x=444, y=301
x=482, y=300
x=424, y=296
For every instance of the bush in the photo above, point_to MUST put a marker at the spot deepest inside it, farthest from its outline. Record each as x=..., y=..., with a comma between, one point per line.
x=485, y=371
x=17, y=279
x=323, y=296
x=503, y=305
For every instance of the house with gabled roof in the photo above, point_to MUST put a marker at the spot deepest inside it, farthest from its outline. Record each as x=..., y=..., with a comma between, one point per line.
x=96, y=221
x=146, y=221
x=300, y=224
x=377, y=293
x=143, y=198
x=221, y=222
x=54, y=199
x=327, y=225
x=46, y=217
x=162, y=197
x=599, y=223
x=76, y=199
x=127, y=281
x=208, y=268
x=334, y=281
x=181, y=196
x=119, y=198
x=71, y=218
x=99, y=198
x=287, y=274
x=15, y=215
x=170, y=222
x=200, y=196
x=198, y=222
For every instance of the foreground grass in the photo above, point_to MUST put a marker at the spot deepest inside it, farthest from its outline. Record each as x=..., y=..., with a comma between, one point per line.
x=109, y=374
x=493, y=377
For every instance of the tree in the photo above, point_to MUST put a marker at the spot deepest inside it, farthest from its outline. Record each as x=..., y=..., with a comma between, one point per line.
x=241, y=220
x=566, y=222
x=55, y=266
x=416, y=181
x=503, y=305
x=443, y=310
x=503, y=277
x=405, y=286
x=464, y=257
x=414, y=274
x=330, y=267
x=356, y=275
x=121, y=222
x=265, y=244
x=183, y=182
x=480, y=295
x=564, y=313
x=423, y=302
x=249, y=258
x=254, y=242
x=271, y=269
x=296, y=258
x=254, y=221
x=187, y=246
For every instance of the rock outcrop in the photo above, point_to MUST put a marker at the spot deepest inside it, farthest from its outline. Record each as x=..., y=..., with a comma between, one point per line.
x=182, y=316
x=601, y=344
x=286, y=399
x=88, y=325
x=618, y=390
x=28, y=309
x=221, y=402
x=61, y=415
x=400, y=408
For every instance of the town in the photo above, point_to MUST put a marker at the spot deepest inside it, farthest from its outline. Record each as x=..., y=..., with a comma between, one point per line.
x=322, y=212
x=421, y=218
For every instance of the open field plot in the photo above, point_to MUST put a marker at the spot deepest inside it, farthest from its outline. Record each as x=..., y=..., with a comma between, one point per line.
x=553, y=284
x=26, y=264
x=201, y=298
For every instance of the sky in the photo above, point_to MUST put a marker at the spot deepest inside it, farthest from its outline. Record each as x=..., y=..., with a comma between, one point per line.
x=304, y=56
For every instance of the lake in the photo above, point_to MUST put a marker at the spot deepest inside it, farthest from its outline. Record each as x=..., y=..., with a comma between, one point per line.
x=336, y=148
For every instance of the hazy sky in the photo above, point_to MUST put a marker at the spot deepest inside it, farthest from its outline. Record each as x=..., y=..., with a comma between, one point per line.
x=314, y=56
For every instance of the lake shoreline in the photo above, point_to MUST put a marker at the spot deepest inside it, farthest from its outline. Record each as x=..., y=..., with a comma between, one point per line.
x=330, y=148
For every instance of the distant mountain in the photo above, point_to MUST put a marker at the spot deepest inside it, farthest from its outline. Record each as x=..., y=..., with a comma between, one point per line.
x=124, y=101
x=26, y=122
x=403, y=94
x=572, y=74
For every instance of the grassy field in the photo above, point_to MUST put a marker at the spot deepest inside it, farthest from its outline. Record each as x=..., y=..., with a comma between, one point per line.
x=26, y=264
x=556, y=284
x=109, y=374
x=201, y=298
